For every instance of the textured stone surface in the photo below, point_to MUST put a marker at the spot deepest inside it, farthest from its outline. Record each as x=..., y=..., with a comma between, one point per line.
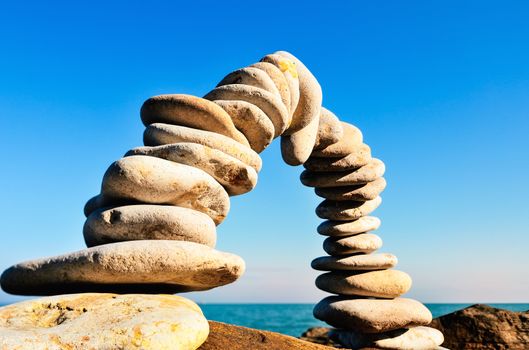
x=346, y=210
x=363, y=192
x=279, y=81
x=349, y=142
x=296, y=147
x=358, y=158
x=347, y=228
x=103, y=321
x=162, y=134
x=137, y=266
x=234, y=175
x=361, y=243
x=159, y=181
x=288, y=68
x=251, y=76
x=140, y=222
x=369, y=172
x=372, y=315
x=377, y=284
x=355, y=262
x=191, y=111
x=330, y=129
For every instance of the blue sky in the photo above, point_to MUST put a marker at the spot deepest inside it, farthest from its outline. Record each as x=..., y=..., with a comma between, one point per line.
x=440, y=90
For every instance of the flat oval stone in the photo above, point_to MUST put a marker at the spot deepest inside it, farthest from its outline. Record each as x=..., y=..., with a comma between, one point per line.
x=99, y=201
x=372, y=315
x=357, y=159
x=142, y=222
x=361, y=243
x=288, y=68
x=357, y=262
x=266, y=101
x=363, y=192
x=416, y=338
x=310, y=96
x=369, y=172
x=251, y=121
x=250, y=76
x=235, y=176
x=330, y=129
x=346, y=210
x=103, y=321
x=376, y=284
x=148, y=266
x=279, y=80
x=348, y=228
x=162, y=134
x=296, y=147
x=191, y=111
x=351, y=139
x=158, y=181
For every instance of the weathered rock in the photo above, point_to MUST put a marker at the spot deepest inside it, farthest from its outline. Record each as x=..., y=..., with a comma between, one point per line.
x=251, y=76
x=330, y=129
x=369, y=172
x=103, y=321
x=416, y=338
x=346, y=210
x=347, y=228
x=234, y=175
x=159, y=181
x=269, y=103
x=162, y=134
x=377, y=284
x=288, y=68
x=360, y=157
x=372, y=315
x=251, y=121
x=483, y=327
x=296, y=147
x=310, y=96
x=140, y=222
x=99, y=201
x=127, y=267
x=351, y=139
x=319, y=335
x=355, y=262
x=191, y=111
x=279, y=80
x=362, y=192
x=361, y=243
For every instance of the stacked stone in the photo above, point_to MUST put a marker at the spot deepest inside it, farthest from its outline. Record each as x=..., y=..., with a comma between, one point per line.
x=367, y=309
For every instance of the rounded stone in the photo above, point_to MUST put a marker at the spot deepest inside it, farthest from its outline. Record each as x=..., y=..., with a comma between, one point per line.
x=99, y=201
x=191, y=111
x=372, y=315
x=234, y=175
x=367, y=173
x=346, y=210
x=154, y=222
x=103, y=321
x=376, y=284
x=279, y=80
x=361, y=243
x=330, y=129
x=360, y=157
x=250, y=76
x=148, y=266
x=351, y=139
x=288, y=68
x=348, y=228
x=158, y=181
x=269, y=103
x=357, y=262
x=310, y=96
x=415, y=338
x=163, y=134
x=296, y=147
x=363, y=192
x=251, y=121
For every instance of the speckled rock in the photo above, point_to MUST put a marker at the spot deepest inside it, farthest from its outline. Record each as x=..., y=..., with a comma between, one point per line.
x=103, y=321
x=159, y=181
x=360, y=157
x=279, y=80
x=377, y=284
x=372, y=315
x=99, y=201
x=296, y=147
x=357, y=262
x=288, y=68
x=251, y=76
x=139, y=222
x=191, y=111
x=361, y=243
x=269, y=103
x=251, y=121
x=347, y=228
x=362, y=192
x=127, y=267
x=330, y=129
x=351, y=139
x=162, y=134
x=369, y=172
x=346, y=210
x=234, y=175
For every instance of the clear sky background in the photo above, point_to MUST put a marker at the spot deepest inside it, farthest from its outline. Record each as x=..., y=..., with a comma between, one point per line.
x=440, y=90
